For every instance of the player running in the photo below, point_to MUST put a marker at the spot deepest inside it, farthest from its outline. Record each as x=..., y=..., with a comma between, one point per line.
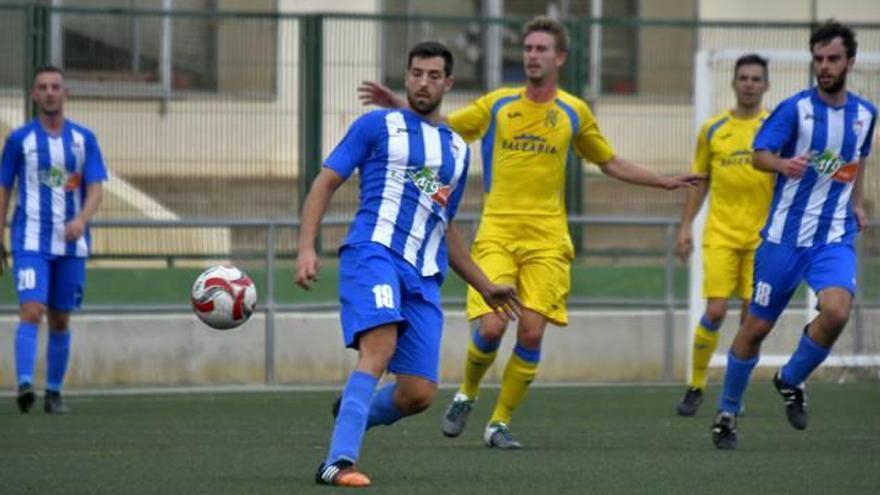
x=816, y=142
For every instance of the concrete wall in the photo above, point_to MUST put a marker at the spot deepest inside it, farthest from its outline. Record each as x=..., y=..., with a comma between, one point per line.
x=173, y=350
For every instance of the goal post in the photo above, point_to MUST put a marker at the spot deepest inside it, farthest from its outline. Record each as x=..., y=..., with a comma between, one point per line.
x=789, y=72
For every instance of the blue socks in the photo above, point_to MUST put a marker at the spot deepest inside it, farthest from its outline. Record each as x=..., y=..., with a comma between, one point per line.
x=806, y=358
x=351, y=423
x=57, y=355
x=736, y=380
x=383, y=411
x=25, y=351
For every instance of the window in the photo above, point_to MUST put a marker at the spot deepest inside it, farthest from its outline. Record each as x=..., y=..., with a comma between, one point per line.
x=121, y=53
x=619, y=47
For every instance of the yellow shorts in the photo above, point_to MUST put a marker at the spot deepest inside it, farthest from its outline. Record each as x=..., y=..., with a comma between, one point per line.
x=534, y=255
x=728, y=272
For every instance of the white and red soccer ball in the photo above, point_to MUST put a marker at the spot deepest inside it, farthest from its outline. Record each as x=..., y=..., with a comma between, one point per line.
x=224, y=297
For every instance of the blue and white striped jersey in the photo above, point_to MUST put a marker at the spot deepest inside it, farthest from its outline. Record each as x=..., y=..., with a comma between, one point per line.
x=413, y=175
x=52, y=172
x=815, y=209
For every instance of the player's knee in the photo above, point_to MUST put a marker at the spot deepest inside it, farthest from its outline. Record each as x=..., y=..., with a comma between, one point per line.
x=530, y=335
x=755, y=330
x=58, y=322
x=715, y=314
x=835, y=317
x=374, y=360
x=415, y=400
x=530, y=340
x=491, y=330
x=32, y=313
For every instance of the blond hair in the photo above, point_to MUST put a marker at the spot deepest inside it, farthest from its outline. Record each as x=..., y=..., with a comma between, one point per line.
x=551, y=26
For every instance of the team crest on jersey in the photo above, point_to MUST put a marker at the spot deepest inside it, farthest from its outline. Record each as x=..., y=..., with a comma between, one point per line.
x=830, y=164
x=857, y=127
x=430, y=184
x=551, y=118
x=57, y=177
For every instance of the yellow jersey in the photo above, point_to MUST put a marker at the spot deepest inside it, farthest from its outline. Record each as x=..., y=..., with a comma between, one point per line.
x=525, y=146
x=739, y=194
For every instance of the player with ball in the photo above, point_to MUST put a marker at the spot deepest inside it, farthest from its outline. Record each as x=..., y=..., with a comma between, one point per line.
x=413, y=171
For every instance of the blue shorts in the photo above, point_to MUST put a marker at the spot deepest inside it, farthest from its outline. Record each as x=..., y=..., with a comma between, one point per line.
x=378, y=287
x=779, y=270
x=53, y=281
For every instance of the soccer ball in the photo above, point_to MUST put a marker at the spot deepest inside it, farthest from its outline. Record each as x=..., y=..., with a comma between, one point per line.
x=224, y=297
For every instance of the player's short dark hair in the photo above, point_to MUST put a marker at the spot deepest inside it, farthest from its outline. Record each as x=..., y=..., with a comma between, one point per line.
x=430, y=49
x=48, y=68
x=831, y=29
x=751, y=59
x=551, y=26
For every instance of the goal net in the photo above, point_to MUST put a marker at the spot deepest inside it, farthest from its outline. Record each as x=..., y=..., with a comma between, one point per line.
x=789, y=72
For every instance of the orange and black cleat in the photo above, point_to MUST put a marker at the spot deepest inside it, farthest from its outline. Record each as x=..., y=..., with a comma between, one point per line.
x=341, y=473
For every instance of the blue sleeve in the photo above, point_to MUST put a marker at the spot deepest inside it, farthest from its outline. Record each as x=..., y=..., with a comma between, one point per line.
x=458, y=193
x=10, y=163
x=866, y=146
x=93, y=169
x=355, y=147
x=779, y=130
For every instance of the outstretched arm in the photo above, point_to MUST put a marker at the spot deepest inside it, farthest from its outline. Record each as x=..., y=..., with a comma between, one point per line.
x=318, y=199
x=373, y=93
x=627, y=171
x=793, y=167
x=498, y=297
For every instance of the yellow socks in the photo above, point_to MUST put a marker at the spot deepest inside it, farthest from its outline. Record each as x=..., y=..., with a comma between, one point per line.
x=705, y=342
x=480, y=356
x=518, y=375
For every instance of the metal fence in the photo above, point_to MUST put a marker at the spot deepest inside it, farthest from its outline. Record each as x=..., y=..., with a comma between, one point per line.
x=218, y=116
x=213, y=124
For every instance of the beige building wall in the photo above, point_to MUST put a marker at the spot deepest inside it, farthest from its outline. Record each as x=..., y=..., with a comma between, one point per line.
x=665, y=53
x=861, y=11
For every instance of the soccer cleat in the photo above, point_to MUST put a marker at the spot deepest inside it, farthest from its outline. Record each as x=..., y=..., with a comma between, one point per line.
x=498, y=436
x=691, y=402
x=795, y=402
x=456, y=415
x=54, y=403
x=724, y=431
x=341, y=473
x=26, y=397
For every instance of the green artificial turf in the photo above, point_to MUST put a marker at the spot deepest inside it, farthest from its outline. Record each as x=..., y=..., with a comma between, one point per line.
x=605, y=439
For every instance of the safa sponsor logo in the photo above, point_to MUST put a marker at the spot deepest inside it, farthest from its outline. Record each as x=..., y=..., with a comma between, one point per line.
x=430, y=184
x=829, y=163
x=55, y=177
